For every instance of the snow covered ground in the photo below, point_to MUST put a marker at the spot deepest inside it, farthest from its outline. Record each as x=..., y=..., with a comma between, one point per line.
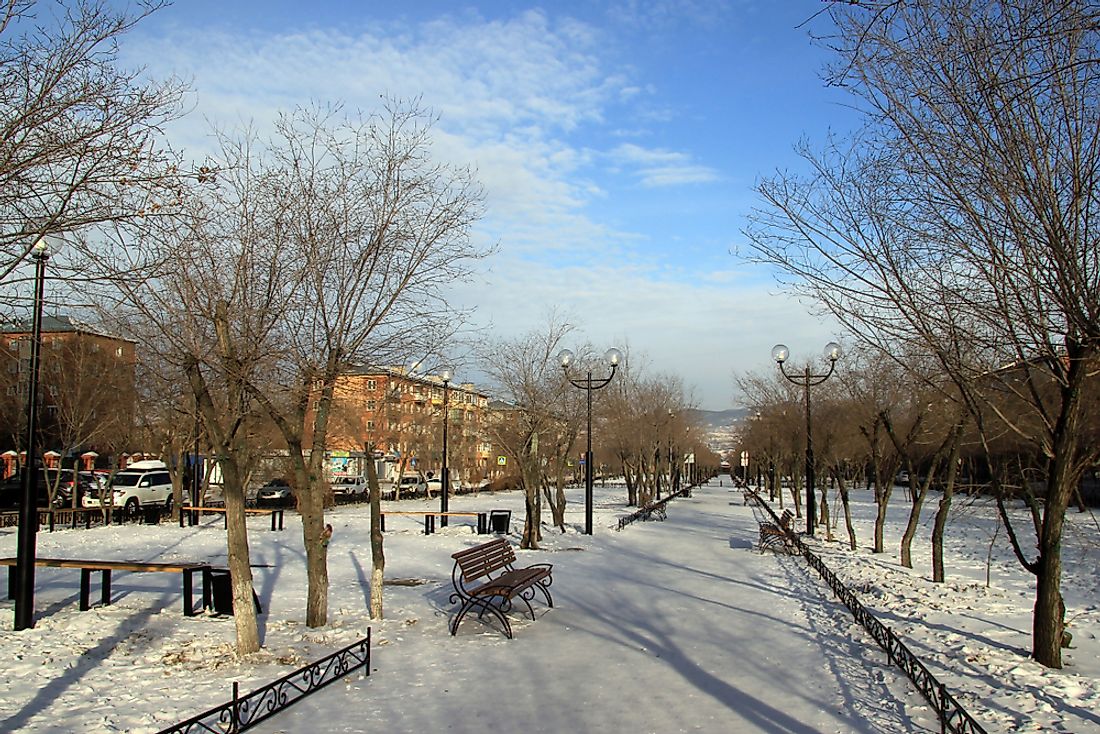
x=664, y=627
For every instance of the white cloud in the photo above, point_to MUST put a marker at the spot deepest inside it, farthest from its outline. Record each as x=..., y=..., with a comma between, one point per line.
x=512, y=95
x=656, y=167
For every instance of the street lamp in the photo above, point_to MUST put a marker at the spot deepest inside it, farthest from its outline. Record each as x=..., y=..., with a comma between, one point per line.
x=445, y=374
x=28, y=511
x=565, y=359
x=807, y=380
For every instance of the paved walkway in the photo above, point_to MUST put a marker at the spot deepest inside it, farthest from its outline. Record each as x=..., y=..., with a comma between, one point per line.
x=665, y=627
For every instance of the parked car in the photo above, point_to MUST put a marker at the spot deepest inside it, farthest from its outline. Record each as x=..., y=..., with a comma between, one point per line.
x=11, y=490
x=276, y=492
x=63, y=480
x=434, y=486
x=83, y=483
x=412, y=485
x=141, y=484
x=349, y=487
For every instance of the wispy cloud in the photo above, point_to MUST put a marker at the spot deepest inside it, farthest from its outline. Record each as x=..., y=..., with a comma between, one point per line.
x=528, y=100
x=656, y=167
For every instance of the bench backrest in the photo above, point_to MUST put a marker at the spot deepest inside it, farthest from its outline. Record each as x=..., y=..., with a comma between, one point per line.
x=485, y=559
x=786, y=518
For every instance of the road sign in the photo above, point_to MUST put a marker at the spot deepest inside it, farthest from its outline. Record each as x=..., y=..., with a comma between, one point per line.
x=502, y=461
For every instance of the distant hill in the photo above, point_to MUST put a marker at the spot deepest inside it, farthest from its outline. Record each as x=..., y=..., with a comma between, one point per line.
x=719, y=427
x=718, y=418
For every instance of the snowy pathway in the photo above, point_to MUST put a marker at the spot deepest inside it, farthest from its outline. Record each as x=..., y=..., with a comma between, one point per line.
x=675, y=626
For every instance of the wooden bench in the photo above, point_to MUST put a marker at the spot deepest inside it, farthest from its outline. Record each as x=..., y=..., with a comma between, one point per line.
x=429, y=518
x=486, y=573
x=778, y=537
x=192, y=512
x=86, y=566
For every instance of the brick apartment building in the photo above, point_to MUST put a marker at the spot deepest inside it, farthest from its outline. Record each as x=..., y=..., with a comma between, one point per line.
x=397, y=416
x=86, y=389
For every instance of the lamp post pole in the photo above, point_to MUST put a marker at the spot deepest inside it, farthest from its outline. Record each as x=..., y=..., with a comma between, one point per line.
x=807, y=380
x=588, y=384
x=28, y=510
x=444, y=473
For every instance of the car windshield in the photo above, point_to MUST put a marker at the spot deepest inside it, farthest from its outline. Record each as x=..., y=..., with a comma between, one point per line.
x=124, y=479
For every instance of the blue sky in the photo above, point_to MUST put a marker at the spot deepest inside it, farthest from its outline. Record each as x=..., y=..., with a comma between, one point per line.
x=617, y=142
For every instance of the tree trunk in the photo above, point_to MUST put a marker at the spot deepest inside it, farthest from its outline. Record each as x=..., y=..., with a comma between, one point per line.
x=797, y=483
x=240, y=570
x=882, y=497
x=847, y=509
x=939, y=525
x=531, y=534
x=1048, y=620
x=378, y=557
x=918, y=495
x=824, y=515
x=315, y=541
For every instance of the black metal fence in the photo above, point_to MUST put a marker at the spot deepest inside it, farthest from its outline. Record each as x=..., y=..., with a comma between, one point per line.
x=653, y=508
x=243, y=712
x=953, y=719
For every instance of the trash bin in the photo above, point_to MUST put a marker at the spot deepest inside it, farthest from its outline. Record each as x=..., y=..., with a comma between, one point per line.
x=500, y=521
x=221, y=592
x=152, y=514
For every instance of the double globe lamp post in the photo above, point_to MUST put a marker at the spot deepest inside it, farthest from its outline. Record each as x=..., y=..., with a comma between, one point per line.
x=806, y=380
x=588, y=384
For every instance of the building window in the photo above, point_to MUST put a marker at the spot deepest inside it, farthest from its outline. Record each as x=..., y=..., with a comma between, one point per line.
x=370, y=405
x=372, y=385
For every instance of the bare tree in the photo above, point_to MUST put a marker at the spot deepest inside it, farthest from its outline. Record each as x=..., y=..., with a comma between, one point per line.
x=960, y=220
x=527, y=374
x=78, y=134
x=378, y=230
x=204, y=294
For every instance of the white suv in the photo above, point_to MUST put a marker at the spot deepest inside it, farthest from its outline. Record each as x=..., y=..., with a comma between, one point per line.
x=348, y=486
x=141, y=483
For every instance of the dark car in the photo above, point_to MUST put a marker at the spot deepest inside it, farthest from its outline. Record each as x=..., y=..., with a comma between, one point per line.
x=70, y=480
x=277, y=493
x=11, y=489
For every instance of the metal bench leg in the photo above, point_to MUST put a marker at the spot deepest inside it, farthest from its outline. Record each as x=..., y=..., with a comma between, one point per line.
x=105, y=580
x=188, y=583
x=85, y=584
x=207, y=578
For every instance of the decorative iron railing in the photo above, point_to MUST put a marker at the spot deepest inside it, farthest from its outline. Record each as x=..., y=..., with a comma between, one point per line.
x=243, y=712
x=653, y=508
x=953, y=718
